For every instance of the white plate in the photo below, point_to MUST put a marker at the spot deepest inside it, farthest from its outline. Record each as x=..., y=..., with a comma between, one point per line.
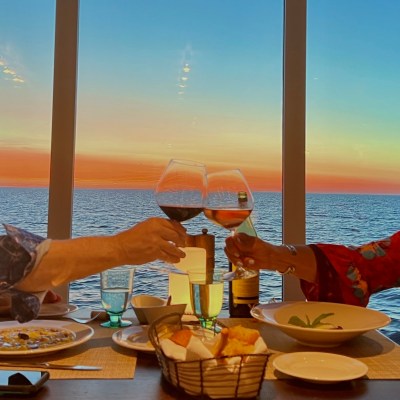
x=320, y=367
x=134, y=337
x=354, y=321
x=56, y=309
x=82, y=334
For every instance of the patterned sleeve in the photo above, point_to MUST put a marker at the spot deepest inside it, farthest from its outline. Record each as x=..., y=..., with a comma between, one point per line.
x=17, y=258
x=352, y=274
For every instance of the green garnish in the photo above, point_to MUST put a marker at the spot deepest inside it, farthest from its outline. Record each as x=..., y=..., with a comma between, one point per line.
x=317, y=323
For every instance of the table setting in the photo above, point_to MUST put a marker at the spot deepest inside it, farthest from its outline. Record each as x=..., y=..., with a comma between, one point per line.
x=117, y=350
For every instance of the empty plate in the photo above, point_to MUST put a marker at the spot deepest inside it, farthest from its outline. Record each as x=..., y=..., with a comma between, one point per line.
x=320, y=367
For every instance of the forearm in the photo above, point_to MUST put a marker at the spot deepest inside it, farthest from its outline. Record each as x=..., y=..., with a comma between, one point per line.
x=301, y=258
x=68, y=260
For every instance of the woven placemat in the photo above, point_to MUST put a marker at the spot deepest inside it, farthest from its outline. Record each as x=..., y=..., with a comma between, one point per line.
x=116, y=362
x=380, y=354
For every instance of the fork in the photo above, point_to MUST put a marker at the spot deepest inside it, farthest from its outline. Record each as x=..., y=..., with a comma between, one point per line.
x=93, y=316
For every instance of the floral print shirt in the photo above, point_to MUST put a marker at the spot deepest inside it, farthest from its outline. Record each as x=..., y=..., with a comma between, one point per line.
x=17, y=258
x=352, y=274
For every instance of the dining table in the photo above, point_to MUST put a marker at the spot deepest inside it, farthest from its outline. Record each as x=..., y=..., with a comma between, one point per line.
x=135, y=374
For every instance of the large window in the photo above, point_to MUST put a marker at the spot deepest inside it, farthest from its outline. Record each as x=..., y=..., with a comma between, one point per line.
x=161, y=80
x=26, y=77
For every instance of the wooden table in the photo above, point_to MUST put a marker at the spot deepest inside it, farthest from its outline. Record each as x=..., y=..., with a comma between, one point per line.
x=148, y=384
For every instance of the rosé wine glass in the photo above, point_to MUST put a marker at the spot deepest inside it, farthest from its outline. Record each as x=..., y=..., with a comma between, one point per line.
x=228, y=203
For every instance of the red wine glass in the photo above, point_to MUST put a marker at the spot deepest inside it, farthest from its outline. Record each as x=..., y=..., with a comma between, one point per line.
x=181, y=189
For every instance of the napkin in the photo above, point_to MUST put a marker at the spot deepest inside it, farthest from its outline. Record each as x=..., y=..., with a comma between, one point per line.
x=195, y=350
x=201, y=348
x=214, y=376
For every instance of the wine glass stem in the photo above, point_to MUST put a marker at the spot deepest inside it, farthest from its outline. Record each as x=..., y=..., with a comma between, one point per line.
x=207, y=323
x=115, y=320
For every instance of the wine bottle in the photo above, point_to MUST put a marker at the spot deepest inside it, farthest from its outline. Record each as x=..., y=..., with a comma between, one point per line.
x=243, y=293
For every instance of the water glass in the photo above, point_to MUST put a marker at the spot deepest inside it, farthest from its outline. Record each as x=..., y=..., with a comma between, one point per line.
x=116, y=287
x=206, y=295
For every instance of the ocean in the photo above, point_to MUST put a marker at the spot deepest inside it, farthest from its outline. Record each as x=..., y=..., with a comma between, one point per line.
x=331, y=218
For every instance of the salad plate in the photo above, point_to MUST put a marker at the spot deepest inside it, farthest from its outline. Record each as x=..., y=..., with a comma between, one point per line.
x=134, y=337
x=53, y=310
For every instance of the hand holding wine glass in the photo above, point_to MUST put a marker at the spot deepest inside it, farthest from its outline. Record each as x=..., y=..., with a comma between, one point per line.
x=180, y=194
x=228, y=203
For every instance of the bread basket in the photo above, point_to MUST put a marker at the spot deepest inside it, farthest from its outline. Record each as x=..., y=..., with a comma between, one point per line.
x=225, y=377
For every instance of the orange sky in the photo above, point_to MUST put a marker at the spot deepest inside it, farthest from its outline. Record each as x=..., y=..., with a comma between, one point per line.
x=31, y=169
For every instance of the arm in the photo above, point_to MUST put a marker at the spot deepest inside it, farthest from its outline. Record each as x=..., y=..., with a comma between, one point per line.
x=328, y=272
x=349, y=274
x=68, y=260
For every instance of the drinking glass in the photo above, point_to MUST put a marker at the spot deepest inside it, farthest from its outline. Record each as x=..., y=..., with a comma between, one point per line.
x=116, y=287
x=206, y=296
x=181, y=189
x=228, y=203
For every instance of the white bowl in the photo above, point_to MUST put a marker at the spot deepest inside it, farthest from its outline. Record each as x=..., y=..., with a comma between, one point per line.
x=149, y=308
x=354, y=321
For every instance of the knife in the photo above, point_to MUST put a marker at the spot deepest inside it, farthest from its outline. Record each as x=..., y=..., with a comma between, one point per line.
x=47, y=365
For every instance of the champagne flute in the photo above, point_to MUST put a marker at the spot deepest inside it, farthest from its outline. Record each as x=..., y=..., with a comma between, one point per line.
x=228, y=203
x=181, y=189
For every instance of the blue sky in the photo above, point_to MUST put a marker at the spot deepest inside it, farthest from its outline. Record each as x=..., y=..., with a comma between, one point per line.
x=136, y=112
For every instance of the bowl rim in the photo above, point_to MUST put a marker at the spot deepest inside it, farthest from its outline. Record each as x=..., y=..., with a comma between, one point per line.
x=273, y=308
x=149, y=296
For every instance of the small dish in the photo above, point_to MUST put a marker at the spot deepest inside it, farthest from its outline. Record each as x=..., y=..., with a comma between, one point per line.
x=56, y=309
x=320, y=367
x=134, y=337
x=149, y=308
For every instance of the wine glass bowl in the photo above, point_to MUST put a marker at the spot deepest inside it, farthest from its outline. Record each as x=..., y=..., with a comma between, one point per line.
x=229, y=200
x=181, y=189
x=228, y=203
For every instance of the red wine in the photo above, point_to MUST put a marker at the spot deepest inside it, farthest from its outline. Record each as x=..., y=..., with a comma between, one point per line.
x=181, y=213
x=229, y=219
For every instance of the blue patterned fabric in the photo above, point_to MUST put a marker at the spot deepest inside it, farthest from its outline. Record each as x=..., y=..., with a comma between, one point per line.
x=17, y=258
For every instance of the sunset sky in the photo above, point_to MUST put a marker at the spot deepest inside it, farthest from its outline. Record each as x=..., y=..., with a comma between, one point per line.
x=202, y=80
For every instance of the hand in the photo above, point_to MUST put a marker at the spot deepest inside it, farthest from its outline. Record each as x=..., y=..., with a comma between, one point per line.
x=51, y=297
x=152, y=239
x=249, y=251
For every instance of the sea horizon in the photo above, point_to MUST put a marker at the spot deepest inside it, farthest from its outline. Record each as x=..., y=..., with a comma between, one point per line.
x=350, y=219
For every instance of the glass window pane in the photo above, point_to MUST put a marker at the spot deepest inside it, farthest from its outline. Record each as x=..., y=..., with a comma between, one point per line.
x=190, y=80
x=26, y=78
x=353, y=146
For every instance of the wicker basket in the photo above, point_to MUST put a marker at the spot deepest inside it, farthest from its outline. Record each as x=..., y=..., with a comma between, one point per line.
x=218, y=378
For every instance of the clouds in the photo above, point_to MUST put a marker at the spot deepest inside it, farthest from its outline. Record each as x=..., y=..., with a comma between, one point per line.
x=8, y=73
